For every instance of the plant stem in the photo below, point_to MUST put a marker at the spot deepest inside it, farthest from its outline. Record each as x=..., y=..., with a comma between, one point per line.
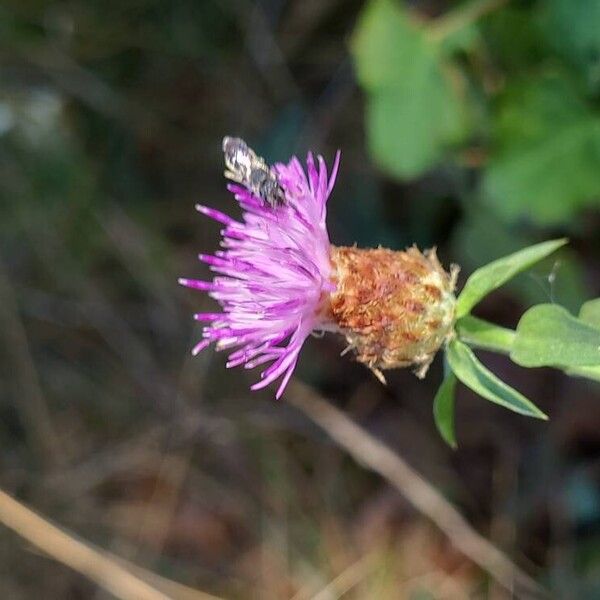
x=123, y=580
x=485, y=335
x=461, y=17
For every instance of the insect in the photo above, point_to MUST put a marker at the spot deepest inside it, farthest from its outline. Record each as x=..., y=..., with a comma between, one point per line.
x=244, y=166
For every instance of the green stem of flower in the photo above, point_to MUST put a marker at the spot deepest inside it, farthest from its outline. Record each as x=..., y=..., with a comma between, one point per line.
x=464, y=15
x=485, y=335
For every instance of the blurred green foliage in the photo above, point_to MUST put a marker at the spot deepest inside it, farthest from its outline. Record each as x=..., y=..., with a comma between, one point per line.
x=546, y=157
x=414, y=105
x=514, y=84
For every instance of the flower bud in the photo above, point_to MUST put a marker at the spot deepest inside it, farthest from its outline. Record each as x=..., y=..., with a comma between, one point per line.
x=395, y=308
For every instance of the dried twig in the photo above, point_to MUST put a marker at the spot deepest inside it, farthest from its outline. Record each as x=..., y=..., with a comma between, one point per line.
x=347, y=579
x=112, y=574
x=375, y=455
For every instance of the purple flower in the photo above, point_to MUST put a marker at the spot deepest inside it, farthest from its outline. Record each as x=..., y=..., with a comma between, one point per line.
x=274, y=273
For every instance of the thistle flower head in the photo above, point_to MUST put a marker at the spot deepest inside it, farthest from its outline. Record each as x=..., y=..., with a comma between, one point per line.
x=274, y=273
x=395, y=308
x=279, y=278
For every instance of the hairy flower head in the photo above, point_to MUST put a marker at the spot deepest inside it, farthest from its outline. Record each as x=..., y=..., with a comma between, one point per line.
x=279, y=279
x=274, y=273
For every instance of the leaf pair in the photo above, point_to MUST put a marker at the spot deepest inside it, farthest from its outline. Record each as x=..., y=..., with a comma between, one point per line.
x=547, y=335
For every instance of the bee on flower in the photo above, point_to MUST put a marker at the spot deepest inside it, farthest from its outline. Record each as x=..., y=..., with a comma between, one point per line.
x=278, y=279
x=244, y=166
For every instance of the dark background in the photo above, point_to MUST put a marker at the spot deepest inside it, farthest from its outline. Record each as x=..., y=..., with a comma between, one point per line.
x=111, y=120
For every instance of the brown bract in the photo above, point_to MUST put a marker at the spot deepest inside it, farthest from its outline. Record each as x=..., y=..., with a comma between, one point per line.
x=395, y=308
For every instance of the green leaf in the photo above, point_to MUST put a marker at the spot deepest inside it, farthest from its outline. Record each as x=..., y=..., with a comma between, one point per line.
x=550, y=181
x=408, y=130
x=561, y=278
x=549, y=336
x=476, y=376
x=590, y=313
x=546, y=163
x=380, y=43
x=572, y=28
x=494, y=274
x=443, y=409
x=415, y=108
x=480, y=333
